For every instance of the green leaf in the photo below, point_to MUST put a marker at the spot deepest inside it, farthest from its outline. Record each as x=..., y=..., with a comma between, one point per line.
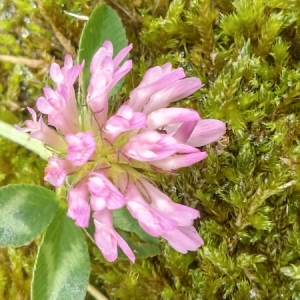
x=103, y=24
x=141, y=250
x=22, y=139
x=26, y=210
x=62, y=267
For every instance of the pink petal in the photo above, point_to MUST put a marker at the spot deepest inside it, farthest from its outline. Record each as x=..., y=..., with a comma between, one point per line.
x=62, y=123
x=71, y=105
x=183, y=239
x=104, y=77
x=152, y=221
x=98, y=58
x=79, y=209
x=44, y=106
x=184, y=131
x=72, y=74
x=104, y=193
x=141, y=212
x=107, y=239
x=165, y=116
x=107, y=64
x=33, y=114
x=163, y=203
x=68, y=62
x=54, y=102
x=141, y=95
x=55, y=73
x=21, y=129
x=166, y=68
x=98, y=101
x=179, y=161
x=108, y=46
x=175, y=91
x=31, y=125
x=125, y=119
x=40, y=131
x=183, y=148
x=153, y=74
x=125, y=111
x=97, y=203
x=61, y=108
x=49, y=136
x=121, y=72
x=121, y=55
x=81, y=147
x=206, y=131
x=150, y=146
x=116, y=124
x=124, y=246
x=54, y=172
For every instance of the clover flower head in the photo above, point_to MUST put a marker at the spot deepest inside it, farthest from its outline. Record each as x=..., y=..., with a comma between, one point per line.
x=108, y=154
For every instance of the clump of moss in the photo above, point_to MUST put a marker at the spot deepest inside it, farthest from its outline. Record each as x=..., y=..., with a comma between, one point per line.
x=246, y=53
x=16, y=271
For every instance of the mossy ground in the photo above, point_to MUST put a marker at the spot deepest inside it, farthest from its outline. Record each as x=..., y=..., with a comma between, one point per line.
x=247, y=53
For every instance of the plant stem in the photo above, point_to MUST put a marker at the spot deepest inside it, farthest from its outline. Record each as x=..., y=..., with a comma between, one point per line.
x=95, y=293
x=22, y=138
